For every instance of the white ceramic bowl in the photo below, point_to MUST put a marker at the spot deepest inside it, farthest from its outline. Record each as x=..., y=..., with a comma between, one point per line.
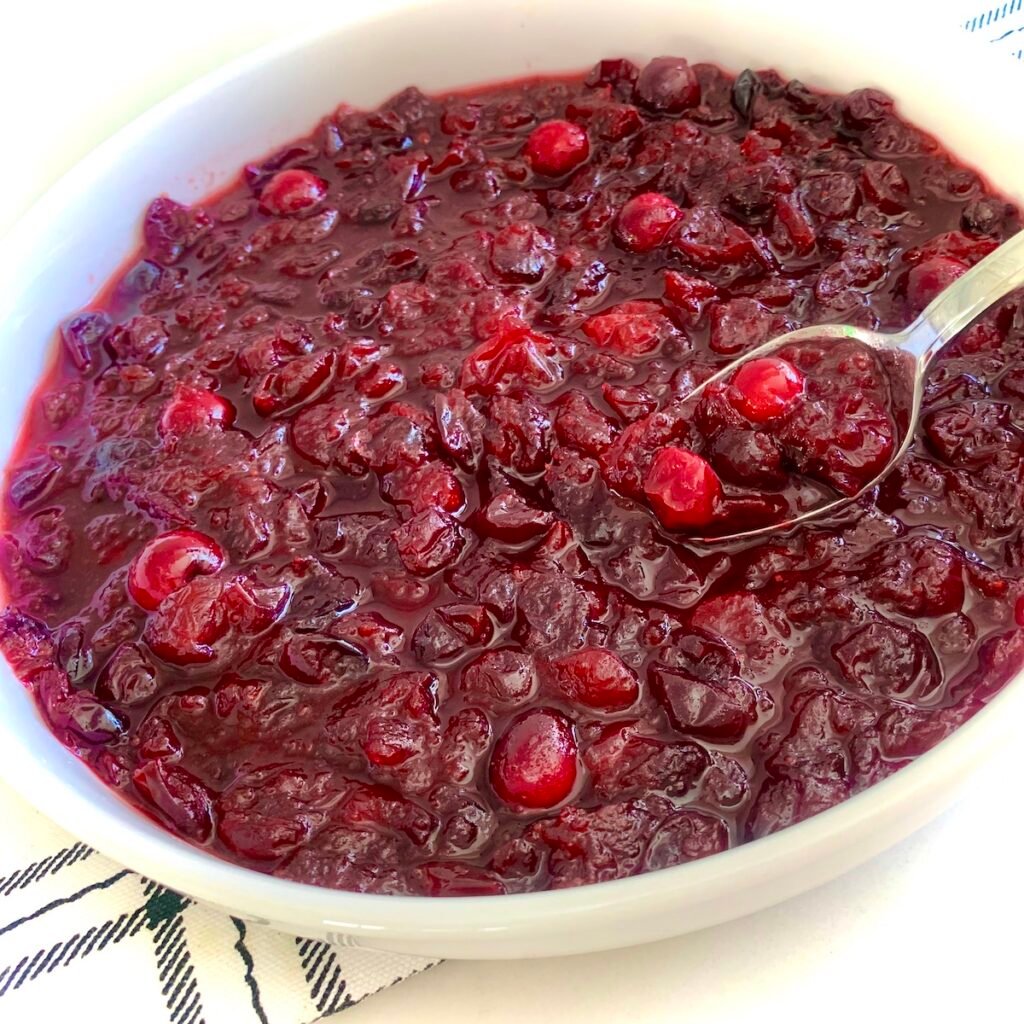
x=54, y=261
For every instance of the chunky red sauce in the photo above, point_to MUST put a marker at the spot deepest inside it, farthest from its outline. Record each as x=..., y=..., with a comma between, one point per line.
x=349, y=537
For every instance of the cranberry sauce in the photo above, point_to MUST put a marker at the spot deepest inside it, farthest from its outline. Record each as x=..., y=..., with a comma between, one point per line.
x=348, y=537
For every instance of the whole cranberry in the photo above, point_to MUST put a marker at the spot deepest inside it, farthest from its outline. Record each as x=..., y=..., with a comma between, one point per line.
x=668, y=85
x=683, y=489
x=191, y=410
x=767, y=388
x=292, y=191
x=534, y=764
x=645, y=221
x=555, y=148
x=168, y=562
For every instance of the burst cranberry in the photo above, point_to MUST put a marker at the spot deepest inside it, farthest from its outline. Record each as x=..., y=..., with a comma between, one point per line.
x=683, y=489
x=82, y=336
x=295, y=384
x=708, y=241
x=717, y=709
x=515, y=357
x=534, y=764
x=457, y=879
x=631, y=329
x=645, y=221
x=191, y=410
x=177, y=795
x=927, y=280
x=509, y=516
x=431, y=540
x=766, y=388
x=688, y=293
x=188, y=623
x=168, y=562
x=596, y=679
x=556, y=147
x=292, y=191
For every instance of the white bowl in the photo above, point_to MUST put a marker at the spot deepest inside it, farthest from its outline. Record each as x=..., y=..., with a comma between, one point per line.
x=75, y=238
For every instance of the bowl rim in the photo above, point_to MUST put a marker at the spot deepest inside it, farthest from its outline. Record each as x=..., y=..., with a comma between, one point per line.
x=157, y=853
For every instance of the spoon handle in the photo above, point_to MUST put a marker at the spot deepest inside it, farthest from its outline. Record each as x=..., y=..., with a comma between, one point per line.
x=998, y=274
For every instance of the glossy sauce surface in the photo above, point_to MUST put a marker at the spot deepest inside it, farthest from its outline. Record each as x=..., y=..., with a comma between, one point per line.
x=347, y=540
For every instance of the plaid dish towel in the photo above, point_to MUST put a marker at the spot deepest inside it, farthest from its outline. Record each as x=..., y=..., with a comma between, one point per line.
x=108, y=945
x=91, y=941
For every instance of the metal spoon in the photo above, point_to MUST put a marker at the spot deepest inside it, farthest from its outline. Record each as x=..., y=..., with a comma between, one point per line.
x=906, y=356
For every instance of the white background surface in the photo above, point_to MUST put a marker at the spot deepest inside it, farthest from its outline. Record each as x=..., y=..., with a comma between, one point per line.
x=928, y=932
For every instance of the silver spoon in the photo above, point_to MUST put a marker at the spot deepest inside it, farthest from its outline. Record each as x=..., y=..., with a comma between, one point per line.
x=906, y=356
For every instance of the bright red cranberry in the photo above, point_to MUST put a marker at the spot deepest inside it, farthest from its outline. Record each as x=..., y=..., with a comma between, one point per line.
x=683, y=489
x=767, y=388
x=292, y=191
x=929, y=279
x=596, y=679
x=192, y=410
x=168, y=562
x=668, y=85
x=534, y=764
x=645, y=221
x=555, y=148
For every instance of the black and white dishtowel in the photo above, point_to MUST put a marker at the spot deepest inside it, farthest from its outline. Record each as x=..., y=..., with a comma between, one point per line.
x=83, y=939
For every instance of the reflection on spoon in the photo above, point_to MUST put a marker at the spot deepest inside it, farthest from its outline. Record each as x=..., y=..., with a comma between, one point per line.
x=840, y=402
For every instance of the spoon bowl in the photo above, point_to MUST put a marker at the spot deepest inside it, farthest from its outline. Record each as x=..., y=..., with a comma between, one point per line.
x=905, y=356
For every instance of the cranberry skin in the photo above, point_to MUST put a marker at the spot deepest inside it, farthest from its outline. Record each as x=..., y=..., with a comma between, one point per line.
x=683, y=489
x=765, y=389
x=514, y=357
x=668, y=85
x=82, y=336
x=534, y=764
x=596, y=679
x=430, y=541
x=168, y=562
x=188, y=622
x=929, y=279
x=631, y=329
x=689, y=294
x=294, y=384
x=292, y=191
x=709, y=242
x=645, y=221
x=179, y=797
x=555, y=148
x=170, y=228
x=192, y=410
x=453, y=878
